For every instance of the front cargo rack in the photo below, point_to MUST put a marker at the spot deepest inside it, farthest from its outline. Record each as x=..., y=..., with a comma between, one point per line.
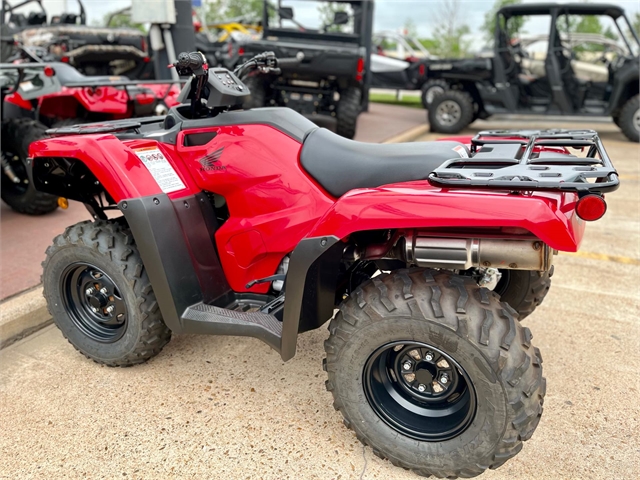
x=530, y=160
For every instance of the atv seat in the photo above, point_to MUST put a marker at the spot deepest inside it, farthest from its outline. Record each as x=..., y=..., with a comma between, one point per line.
x=66, y=75
x=340, y=165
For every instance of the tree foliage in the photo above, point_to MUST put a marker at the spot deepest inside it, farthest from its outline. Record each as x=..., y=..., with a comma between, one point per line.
x=120, y=20
x=449, y=34
x=327, y=12
x=513, y=26
x=220, y=10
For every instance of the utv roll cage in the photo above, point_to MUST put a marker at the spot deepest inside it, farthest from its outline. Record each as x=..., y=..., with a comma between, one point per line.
x=37, y=19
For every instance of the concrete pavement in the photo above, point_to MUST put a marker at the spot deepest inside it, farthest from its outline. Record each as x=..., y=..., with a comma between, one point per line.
x=229, y=408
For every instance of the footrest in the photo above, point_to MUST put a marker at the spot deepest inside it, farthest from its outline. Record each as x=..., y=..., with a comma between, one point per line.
x=207, y=319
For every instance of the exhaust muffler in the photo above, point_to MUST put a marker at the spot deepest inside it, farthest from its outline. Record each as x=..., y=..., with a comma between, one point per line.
x=465, y=253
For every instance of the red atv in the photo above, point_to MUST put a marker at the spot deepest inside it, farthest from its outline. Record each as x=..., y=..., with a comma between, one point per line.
x=259, y=223
x=36, y=96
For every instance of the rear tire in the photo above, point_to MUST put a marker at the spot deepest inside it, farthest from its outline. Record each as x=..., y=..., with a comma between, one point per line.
x=431, y=89
x=22, y=197
x=93, y=256
x=458, y=321
x=451, y=112
x=524, y=290
x=348, y=111
x=630, y=119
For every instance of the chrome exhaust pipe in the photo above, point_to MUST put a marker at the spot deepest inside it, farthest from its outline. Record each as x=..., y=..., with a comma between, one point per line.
x=465, y=253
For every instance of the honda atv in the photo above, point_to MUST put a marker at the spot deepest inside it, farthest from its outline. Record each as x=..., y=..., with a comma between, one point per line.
x=259, y=223
x=36, y=96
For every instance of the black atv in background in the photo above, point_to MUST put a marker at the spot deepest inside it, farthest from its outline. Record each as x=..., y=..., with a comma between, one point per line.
x=550, y=82
x=67, y=38
x=324, y=69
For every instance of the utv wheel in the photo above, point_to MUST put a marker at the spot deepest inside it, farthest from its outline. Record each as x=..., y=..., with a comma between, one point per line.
x=17, y=190
x=524, y=290
x=431, y=89
x=630, y=119
x=434, y=373
x=451, y=112
x=348, y=111
x=257, y=88
x=100, y=297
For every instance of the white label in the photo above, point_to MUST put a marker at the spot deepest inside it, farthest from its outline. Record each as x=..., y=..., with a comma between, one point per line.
x=160, y=169
x=27, y=86
x=460, y=150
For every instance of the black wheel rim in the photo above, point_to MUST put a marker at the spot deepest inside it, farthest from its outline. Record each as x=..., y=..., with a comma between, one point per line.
x=419, y=391
x=94, y=302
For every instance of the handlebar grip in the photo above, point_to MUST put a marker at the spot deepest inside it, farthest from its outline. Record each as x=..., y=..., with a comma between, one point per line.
x=192, y=61
x=288, y=62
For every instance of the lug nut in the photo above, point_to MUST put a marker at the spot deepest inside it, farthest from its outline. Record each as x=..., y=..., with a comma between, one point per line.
x=103, y=290
x=428, y=357
x=94, y=310
x=406, y=366
x=110, y=309
x=421, y=388
x=89, y=291
x=444, y=379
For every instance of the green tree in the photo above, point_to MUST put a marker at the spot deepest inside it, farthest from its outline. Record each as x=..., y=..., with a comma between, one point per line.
x=513, y=26
x=120, y=19
x=221, y=10
x=449, y=35
x=411, y=28
x=635, y=22
x=327, y=11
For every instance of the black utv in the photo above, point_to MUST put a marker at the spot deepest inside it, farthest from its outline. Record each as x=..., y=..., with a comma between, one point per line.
x=324, y=67
x=565, y=77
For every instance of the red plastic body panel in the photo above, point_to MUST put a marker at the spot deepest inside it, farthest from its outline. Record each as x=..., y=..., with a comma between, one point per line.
x=16, y=99
x=549, y=216
x=115, y=165
x=107, y=100
x=273, y=204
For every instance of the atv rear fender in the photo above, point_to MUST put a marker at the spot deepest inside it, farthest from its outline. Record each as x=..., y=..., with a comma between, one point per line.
x=548, y=216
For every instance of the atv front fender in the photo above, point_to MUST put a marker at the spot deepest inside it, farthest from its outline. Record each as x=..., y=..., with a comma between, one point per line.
x=116, y=167
x=549, y=216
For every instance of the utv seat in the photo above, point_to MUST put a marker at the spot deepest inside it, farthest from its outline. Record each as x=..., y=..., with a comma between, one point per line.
x=340, y=165
x=66, y=74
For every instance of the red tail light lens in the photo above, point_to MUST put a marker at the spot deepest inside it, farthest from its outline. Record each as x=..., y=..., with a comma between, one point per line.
x=591, y=207
x=49, y=71
x=144, y=99
x=241, y=51
x=360, y=70
x=64, y=59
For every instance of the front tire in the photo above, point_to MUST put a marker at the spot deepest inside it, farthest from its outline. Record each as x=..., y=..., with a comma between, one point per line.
x=100, y=297
x=348, y=111
x=451, y=112
x=629, y=119
x=498, y=374
x=21, y=195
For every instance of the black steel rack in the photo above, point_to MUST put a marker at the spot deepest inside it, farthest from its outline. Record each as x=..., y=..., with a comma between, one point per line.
x=510, y=160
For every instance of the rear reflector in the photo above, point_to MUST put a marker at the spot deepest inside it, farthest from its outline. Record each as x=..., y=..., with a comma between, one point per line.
x=591, y=207
x=49, y=71
x=360, y=70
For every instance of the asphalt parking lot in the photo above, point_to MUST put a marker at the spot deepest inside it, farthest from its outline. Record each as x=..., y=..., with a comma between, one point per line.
x=229, y=408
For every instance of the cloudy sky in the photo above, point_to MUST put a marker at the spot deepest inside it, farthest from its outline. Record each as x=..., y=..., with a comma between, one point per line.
x=390, y=14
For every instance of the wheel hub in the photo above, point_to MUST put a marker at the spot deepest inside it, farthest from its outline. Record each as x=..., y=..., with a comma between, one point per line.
x=449, y=112
x=419, y=391
x=94, y=302
x=636, y=119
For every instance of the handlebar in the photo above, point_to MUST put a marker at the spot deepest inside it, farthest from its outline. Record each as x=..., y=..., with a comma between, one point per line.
x=195, y=63
x=190, y=64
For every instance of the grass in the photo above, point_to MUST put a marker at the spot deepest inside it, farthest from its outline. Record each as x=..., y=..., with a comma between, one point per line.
x=390, y=98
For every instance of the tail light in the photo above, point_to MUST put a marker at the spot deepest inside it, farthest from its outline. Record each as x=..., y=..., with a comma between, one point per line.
x=64, y=59
x=591, y=207
x=143, y=44
x=49, y=71
x=360, y=70
x=241, y=51
x=422, y=70
x=144, y=99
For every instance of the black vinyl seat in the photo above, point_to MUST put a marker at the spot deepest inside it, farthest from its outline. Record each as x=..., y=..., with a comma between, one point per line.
x=67, y=74
x=340, y=165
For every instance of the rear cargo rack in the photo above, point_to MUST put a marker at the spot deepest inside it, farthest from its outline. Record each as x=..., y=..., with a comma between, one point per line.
x=530, y=160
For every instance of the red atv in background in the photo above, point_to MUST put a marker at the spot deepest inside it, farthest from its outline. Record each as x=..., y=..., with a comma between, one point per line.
x=37, y=95
x=259, y=223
